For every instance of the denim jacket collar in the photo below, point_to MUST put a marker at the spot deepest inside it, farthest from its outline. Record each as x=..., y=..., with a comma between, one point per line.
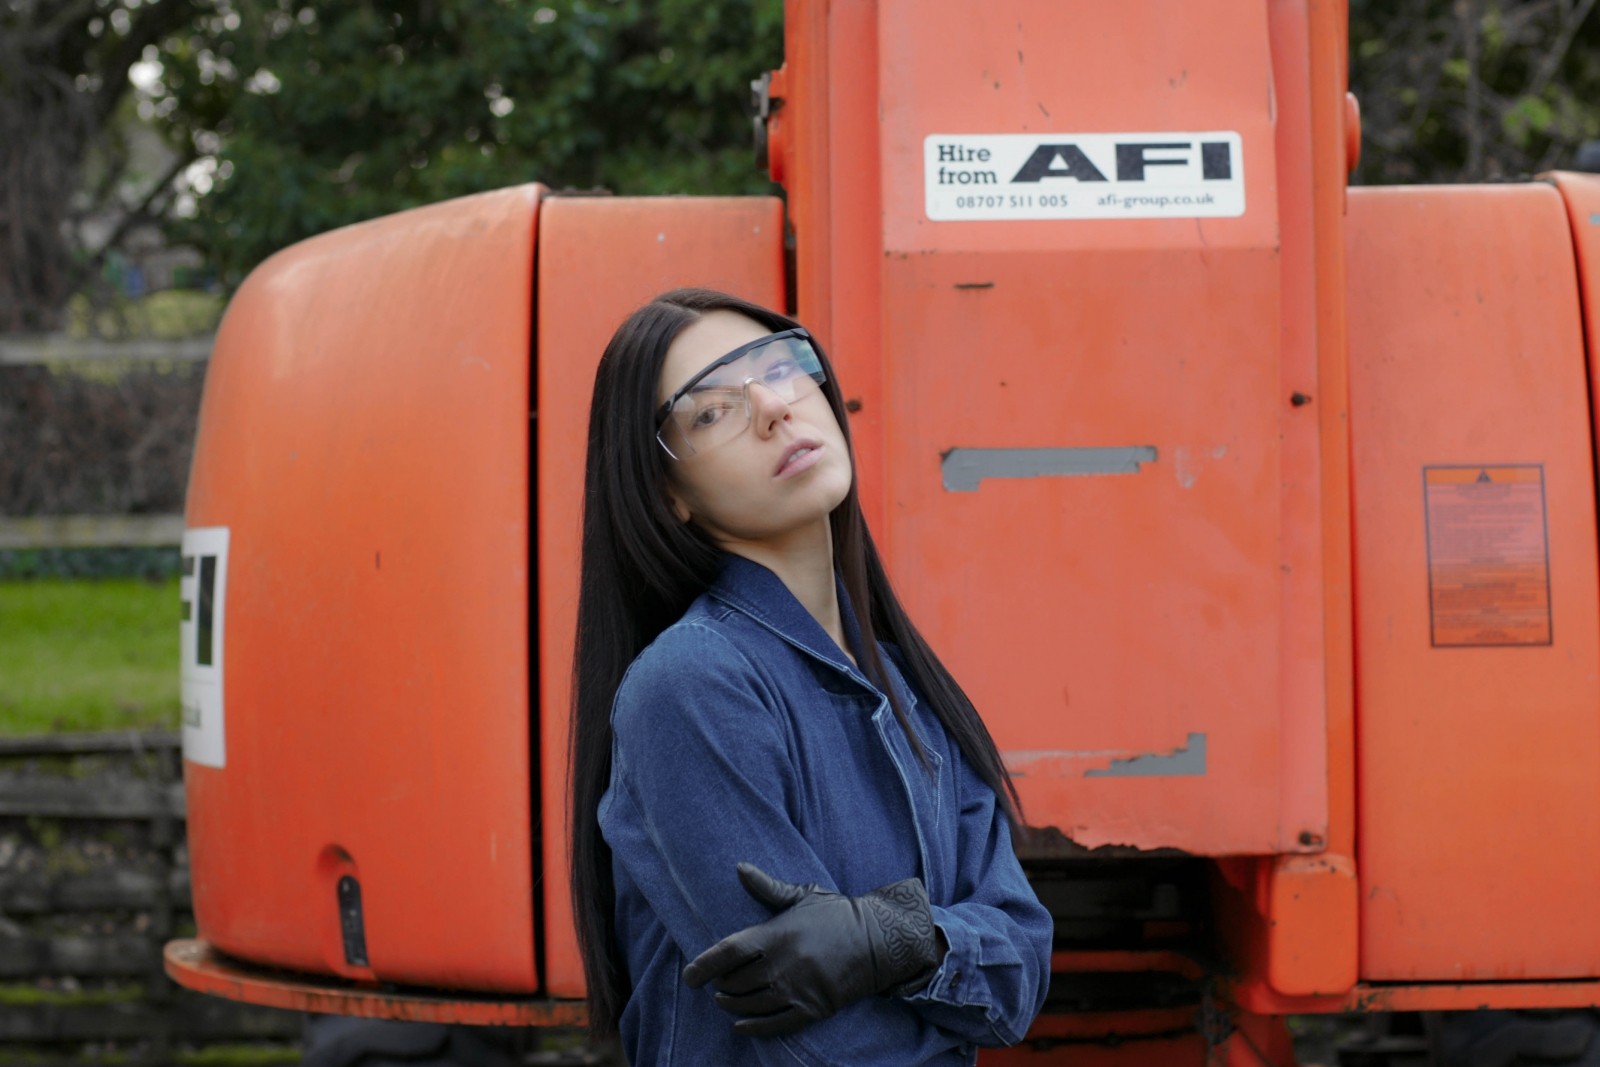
x=748, y=587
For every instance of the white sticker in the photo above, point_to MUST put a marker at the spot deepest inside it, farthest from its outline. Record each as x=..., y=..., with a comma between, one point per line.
x=973, y=177
x=204, y=592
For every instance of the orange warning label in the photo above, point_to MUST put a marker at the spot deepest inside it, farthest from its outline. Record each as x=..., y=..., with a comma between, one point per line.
x=1488, y=555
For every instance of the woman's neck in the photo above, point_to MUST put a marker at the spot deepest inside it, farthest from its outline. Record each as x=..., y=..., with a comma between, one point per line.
x=803, y=562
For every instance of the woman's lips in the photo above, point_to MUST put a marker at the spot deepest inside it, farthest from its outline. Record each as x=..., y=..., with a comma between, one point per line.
x=801, y=456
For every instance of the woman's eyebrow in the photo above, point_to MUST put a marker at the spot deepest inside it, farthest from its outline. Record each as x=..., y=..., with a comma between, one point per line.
x=709, y=383
x=717, y=377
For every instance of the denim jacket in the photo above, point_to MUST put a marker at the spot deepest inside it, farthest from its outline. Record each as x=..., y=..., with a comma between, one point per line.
x=744, y=733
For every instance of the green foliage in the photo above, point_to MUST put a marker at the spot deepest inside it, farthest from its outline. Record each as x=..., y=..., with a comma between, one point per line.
x=170, y=314
x=150, y=563
x=1526, y=118
x=1473, y=90
x=68, y=128
x=302, y=115
x=326, y=112
x=46, y=832
x=88, y=655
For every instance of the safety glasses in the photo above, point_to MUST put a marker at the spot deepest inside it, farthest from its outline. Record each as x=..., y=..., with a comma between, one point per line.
x=713, y=407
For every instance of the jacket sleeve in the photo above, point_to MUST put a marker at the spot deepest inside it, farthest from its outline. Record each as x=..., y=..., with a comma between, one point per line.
x=992, y=981
x=704, y=775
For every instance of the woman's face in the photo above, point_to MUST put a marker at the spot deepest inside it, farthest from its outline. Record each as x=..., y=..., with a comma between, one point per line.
x=781, y=475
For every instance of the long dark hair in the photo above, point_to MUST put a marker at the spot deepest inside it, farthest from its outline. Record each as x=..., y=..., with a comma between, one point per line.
x=642, y=568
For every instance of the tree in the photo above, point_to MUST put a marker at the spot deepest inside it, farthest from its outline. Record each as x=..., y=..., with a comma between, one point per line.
x=1473, y=90
x=63, y=83
x=287, y=118
x=324, y=112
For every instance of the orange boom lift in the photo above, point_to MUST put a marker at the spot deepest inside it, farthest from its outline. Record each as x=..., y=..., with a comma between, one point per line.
x=1256, y=513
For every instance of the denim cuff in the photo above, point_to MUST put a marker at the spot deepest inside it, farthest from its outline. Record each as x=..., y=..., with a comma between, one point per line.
x=952, y=981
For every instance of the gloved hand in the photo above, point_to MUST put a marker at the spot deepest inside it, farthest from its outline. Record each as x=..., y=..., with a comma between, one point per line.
x=821, y=952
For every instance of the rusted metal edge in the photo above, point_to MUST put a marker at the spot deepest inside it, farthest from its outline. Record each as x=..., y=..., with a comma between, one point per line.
x=1471, y=996
x=1420, y=996
x=195, y=964
x=1102, y=1028
x=1048, y=842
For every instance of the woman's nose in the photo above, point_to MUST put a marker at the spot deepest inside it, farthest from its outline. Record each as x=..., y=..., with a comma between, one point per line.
x=767, y=408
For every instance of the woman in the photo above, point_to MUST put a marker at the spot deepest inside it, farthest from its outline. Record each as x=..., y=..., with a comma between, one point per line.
x=790, y=842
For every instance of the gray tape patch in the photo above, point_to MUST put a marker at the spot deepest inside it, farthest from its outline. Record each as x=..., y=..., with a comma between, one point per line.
x=964, y=468
x=1187, y=762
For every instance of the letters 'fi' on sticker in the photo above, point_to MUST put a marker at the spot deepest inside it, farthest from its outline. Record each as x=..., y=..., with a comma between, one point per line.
x=203, y=590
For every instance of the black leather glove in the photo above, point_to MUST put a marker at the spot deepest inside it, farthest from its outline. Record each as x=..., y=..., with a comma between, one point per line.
x=821, y=952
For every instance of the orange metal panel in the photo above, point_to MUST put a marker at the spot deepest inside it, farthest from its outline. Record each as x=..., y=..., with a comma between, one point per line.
x=1008, y=77
x=364, y=440
x=831, y=128
x=1131, y=638
x=1307, y=182
x=1581, y=193
x=1315, y=897
x=598, y=260
x=195, y=965
x=1336, y=124
x=1312, y=909
x=1293, y=921
x=1478, y=735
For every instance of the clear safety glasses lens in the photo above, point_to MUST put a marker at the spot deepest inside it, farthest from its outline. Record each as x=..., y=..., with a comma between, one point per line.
x=714, y=407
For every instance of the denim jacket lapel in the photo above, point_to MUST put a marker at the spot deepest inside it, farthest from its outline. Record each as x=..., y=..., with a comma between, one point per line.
x=752, y=589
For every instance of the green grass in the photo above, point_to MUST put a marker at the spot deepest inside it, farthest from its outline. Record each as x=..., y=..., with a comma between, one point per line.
x=237, y=1056
x=168, y=314
x=88, y=655
x=22, y=994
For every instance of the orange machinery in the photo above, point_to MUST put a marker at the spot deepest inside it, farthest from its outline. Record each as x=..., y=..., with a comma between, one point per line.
x=1257, y=515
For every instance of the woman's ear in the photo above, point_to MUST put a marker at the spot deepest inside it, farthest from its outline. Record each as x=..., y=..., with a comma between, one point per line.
x=679, y=508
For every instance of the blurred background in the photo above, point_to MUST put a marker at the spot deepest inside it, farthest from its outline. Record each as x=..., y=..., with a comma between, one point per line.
x=152, y=152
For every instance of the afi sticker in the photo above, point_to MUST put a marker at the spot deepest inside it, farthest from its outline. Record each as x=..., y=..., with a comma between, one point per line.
x=204, y=592
x=1000, y=176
